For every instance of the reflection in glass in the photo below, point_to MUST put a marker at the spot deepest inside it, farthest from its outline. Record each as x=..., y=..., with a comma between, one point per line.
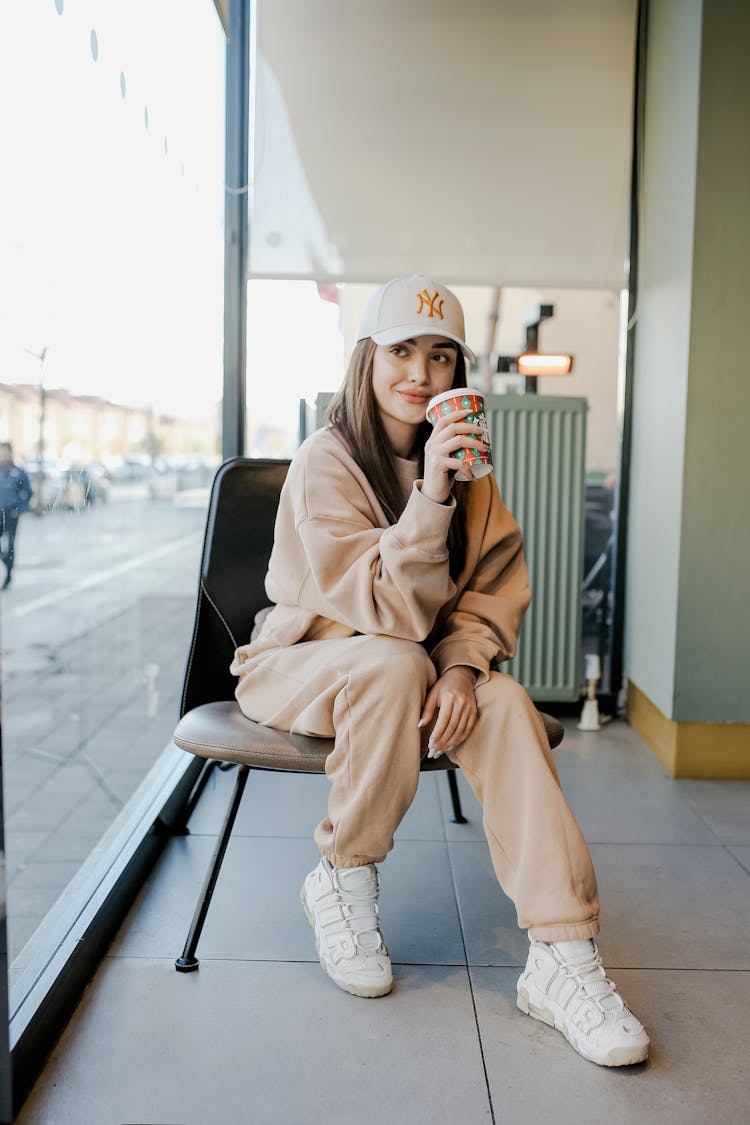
x=111, y=344
x=6, y=1078
x=288, y=233
x=307, y=364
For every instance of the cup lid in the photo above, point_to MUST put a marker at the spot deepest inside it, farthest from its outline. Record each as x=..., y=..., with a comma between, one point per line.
x=454, y=392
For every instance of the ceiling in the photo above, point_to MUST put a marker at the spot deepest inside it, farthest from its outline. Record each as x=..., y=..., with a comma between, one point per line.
x=222, y=7
x=488, y=141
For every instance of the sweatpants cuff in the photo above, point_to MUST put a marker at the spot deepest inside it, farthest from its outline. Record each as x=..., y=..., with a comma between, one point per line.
x=565, y=931
x=352, y=860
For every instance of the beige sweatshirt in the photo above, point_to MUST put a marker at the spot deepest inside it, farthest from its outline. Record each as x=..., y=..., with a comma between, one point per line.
x=338, y=568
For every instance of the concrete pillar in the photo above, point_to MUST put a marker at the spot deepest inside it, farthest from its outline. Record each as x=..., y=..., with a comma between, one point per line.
x=687, y=645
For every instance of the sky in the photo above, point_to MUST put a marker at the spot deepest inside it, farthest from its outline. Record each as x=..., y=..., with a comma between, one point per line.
x=112, y=210
x=111, y=232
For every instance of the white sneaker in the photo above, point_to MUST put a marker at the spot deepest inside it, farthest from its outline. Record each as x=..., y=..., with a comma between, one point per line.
x=341, y=904
x=565, y=985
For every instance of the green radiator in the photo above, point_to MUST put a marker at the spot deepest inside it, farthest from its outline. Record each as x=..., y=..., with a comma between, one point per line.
x=539, y=451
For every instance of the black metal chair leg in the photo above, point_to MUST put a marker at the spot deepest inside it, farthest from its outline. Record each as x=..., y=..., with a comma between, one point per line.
x=179, y=827
x=458, y=816
x=188, y=962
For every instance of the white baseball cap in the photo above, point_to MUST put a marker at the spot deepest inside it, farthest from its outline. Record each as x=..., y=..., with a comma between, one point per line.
x=414, y=306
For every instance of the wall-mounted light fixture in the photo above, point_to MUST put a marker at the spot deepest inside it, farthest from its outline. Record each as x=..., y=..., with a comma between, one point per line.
x=542, y=363
x=532, y=363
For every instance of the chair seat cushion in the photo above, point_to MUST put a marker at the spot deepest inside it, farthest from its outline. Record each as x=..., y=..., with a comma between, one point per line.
x=220, y=730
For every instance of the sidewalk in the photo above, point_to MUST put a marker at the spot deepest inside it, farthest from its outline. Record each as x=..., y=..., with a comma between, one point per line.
x=95, y=632
x=259, y=1034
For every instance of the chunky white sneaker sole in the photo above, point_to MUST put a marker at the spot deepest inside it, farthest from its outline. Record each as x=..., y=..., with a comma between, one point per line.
x=369, y=991
x=534, y=1003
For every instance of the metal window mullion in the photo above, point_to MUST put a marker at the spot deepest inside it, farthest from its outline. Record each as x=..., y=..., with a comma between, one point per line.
x=236, y=229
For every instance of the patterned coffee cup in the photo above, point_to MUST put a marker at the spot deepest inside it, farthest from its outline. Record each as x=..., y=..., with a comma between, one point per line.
x=477, y=462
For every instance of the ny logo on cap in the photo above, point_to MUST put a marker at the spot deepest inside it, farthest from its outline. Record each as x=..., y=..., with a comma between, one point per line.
x=433, y=304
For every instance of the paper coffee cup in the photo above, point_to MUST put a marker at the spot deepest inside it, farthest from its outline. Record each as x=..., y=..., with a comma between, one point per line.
x=477, y=462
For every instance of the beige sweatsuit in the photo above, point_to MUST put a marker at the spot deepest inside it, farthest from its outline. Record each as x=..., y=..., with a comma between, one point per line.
x=366, y=617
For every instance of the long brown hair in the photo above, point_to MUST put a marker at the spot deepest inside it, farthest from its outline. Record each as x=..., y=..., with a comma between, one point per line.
x=353, y=412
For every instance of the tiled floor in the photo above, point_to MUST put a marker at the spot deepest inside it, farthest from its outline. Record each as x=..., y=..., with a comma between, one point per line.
x=260, y=1034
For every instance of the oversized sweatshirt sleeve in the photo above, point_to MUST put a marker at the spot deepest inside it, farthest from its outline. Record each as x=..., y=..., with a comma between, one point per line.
x=390, y=581
x=484, y=624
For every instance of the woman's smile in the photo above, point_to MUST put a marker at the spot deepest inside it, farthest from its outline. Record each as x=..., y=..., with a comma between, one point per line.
x=419, y=398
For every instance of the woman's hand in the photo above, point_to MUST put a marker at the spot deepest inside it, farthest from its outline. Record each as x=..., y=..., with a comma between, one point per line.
x=453, y=698
x=450, y=433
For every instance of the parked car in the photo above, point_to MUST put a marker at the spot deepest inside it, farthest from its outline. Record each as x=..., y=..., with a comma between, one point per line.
x=100, y=480
x=84, y=485
x=134, y=467
x=47, y=485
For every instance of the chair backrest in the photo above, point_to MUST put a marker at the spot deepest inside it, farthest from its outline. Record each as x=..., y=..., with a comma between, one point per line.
x=236, y=549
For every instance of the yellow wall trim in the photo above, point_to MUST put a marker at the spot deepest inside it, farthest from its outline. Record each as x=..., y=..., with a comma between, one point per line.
x=716, y=750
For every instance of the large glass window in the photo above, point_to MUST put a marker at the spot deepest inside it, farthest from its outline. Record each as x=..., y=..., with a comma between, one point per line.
x=362, y=167
x=300, y=335
x=111, y=288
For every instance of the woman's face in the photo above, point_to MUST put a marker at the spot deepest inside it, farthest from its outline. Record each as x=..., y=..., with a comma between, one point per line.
x=405, y=377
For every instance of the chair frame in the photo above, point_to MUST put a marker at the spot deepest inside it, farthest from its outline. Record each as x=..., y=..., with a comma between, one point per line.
x=208, y=687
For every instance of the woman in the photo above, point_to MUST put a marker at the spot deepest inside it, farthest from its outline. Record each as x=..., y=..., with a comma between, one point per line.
x=396, y=592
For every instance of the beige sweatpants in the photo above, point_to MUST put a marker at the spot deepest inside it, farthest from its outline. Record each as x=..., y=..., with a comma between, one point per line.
x=367, y=692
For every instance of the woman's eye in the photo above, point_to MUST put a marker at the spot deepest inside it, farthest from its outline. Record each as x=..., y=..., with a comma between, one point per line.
x=440, y=357
x=398, y=350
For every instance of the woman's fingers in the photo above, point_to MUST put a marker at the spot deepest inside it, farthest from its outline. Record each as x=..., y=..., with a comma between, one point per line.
x=456, y=718
x=430, y=706
x=465, y=721
x=442, y=725
x=443, y=445
x=441, y=457
x=455, y=417
x=466, y=727
x=454, y=423
x=457, y=441
x=450, y=434
x=457, y=429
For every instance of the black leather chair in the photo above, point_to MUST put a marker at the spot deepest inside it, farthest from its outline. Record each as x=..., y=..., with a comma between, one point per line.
x=238, y=541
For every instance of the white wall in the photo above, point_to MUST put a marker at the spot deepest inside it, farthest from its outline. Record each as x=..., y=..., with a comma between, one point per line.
x=586, y=325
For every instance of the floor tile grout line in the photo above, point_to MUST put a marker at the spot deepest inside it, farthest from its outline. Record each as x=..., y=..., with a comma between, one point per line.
x=634, y=968
x=694, y=808
x=169, y=959
x=454, y=884
x=469, y=965
x=638, y=843
x=737, y=860
x=308, y=836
